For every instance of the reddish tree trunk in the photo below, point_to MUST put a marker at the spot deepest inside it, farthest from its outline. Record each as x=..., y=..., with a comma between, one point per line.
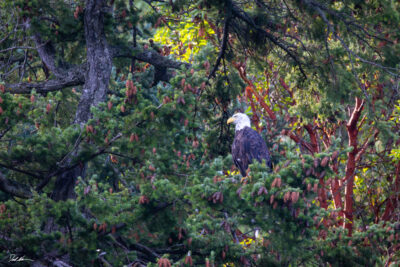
x=352, y=132
x=335, y=191
x=313, y=137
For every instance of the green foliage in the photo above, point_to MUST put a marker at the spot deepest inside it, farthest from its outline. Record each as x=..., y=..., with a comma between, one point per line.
x=158, y=174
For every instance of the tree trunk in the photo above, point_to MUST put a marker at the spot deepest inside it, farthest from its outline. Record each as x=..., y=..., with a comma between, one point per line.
x=352, y=132
x=99, y=61
x=97, y=76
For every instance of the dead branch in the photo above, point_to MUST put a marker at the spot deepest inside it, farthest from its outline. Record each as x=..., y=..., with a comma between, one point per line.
x=14, y=188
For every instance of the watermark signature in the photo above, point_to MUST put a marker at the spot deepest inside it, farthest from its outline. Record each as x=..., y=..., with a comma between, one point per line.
x=15, y=258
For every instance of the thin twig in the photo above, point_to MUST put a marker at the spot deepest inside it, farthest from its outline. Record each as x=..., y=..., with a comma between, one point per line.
x=223, y=42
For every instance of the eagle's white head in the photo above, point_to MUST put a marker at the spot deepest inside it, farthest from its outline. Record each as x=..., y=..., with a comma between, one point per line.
x=240, y=120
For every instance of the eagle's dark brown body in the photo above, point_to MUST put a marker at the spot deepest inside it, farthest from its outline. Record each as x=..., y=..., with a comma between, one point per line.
x=249, y=145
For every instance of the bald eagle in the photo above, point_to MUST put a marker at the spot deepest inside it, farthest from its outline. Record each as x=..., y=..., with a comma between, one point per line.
x=247, y=145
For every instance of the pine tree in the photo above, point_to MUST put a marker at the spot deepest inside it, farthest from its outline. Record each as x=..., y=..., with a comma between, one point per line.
x=115, y=149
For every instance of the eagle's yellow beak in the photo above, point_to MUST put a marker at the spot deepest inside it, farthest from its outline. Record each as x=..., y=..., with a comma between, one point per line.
x=230, y=120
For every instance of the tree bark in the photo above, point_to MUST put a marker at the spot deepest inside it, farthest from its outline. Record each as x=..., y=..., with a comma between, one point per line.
x=46, y=52
x=352, y=131
x=99, y=61
x=97, y=77
x=336, y=195
x=322, y=196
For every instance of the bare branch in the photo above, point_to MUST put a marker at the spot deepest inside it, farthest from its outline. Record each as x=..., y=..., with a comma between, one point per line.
x=149, y=56
x=21, y=47
x=144, y=249
x=47, y=54
x=12, y=168
x=72, y=79
x=223, y=43
x=14, y=188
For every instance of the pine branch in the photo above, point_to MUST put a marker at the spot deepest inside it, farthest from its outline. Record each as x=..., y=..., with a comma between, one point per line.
x=65, y=169
x=242, y=15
